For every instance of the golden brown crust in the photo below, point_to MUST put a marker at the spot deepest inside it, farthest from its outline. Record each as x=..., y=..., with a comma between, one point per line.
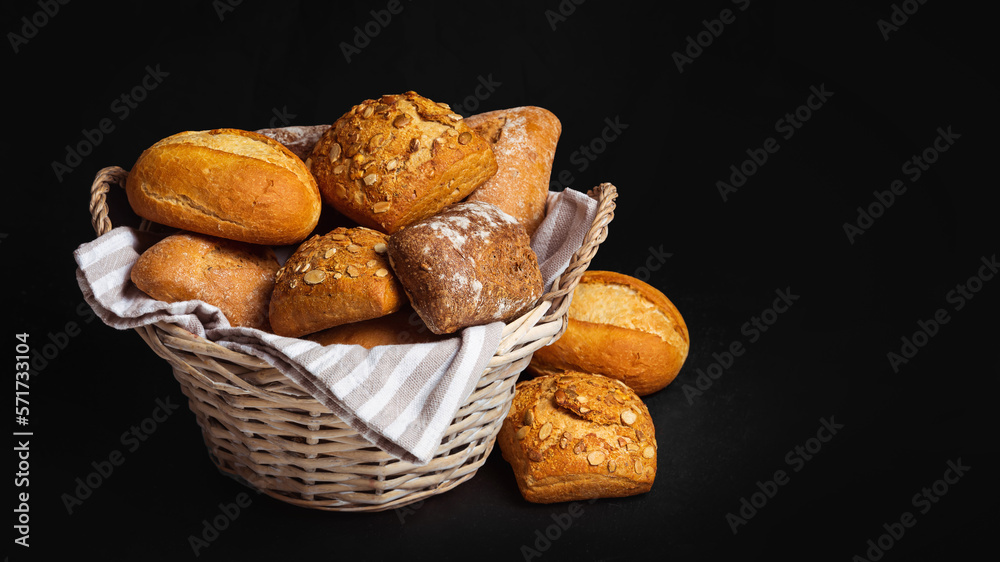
x=621, y=327
x=578, y=436
x=468, y=265
x=333, y=279
x=402, y=327
x=229, y=183
x=524, y=142
x=234, y=276
x=392, y=161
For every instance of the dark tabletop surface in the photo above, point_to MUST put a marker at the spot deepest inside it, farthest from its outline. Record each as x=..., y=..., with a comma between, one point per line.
x=809, y=185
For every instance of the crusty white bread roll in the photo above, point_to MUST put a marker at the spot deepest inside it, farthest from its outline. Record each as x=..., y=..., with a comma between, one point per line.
x=524, y=142
x=230, y=183
x=621, y=327
x=236, y=277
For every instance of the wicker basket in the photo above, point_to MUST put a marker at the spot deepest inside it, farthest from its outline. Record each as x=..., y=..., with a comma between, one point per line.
x=266, y=431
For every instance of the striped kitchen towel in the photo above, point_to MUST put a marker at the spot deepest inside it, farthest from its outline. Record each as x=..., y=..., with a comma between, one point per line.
x=402, y=398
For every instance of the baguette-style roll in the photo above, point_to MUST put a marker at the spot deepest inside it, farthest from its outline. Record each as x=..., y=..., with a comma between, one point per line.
x=621, y=327
x=234, y=276
x=229, y=183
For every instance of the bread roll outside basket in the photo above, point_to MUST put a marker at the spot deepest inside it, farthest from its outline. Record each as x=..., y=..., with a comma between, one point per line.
x=268, y=433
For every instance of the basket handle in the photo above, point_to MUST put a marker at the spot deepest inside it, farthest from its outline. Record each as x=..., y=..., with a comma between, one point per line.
x=105, y=178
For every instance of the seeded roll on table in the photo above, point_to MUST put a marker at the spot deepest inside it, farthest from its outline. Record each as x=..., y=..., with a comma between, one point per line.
x=338, y=278
x=577, y=436
x=392, y=161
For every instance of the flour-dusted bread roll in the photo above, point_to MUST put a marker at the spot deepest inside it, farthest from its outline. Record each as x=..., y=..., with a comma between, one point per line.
x=234, y=276
x=333, y=279
x=391, y=161
x=621, y=327
x=524, y=142
x=578, y=436
x=229, y=183
x=300, y=139
x=468, y=265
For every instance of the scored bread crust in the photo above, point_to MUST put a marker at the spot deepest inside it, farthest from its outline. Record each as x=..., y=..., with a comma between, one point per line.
x=576, y=436
x=391, y=161
x=338, y=278
x=524, y=142
x=230, y=183
x=236, y=277
x=468, y=265
x=606, y=334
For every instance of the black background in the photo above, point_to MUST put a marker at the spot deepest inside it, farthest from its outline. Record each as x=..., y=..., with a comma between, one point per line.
x=591, y=63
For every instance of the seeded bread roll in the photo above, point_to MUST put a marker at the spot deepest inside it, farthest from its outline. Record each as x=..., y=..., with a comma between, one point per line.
x=524, y=142
x=403, y=327
x=621, y=327
x=392, y=161
x=234, y=276
x=578, y=436
x=338, y=278
x=229, y=183
x=470, y=264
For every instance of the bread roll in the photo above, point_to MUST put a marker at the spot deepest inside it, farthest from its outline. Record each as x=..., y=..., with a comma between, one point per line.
x=234, y=276
x=230, y=183
x=524, y=142
x=300, y=139
x=392, y=161
x=578, y=436
x=403, y=327
x=338, y=278
x=469, y=265
x=621, y=327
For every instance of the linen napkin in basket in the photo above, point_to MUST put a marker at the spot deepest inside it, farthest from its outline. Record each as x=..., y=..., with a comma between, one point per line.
x=402, y=398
